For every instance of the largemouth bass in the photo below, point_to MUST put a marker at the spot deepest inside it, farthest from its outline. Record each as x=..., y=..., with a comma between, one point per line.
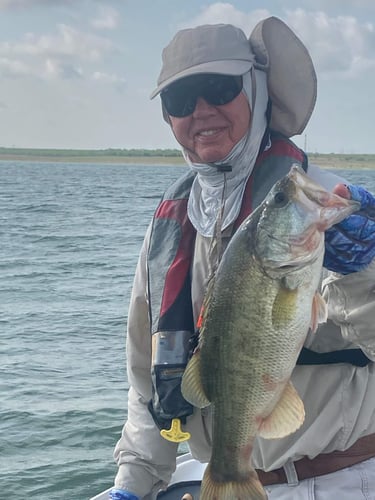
x=256, y=315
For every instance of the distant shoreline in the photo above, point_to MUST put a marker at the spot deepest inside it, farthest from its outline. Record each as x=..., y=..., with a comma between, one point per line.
x=128, y=160
x=330, y=161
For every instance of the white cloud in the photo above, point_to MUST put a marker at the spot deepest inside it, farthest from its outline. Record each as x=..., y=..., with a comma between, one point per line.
x=12, y=68
x=15, y=4
x=117, y=82
x=340, y=4
x=63, y=54
x=58, y=69
x=222, y=12
x=338, y=45
x=107, y=18
x=68, y=41
x=108, y=78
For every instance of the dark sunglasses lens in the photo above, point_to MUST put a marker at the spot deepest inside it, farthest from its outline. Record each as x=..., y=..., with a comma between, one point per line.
x=180, y=98
x=222, y=89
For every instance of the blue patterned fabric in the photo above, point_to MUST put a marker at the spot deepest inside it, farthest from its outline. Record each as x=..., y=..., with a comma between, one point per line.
x=116, y=494
x=350, y=245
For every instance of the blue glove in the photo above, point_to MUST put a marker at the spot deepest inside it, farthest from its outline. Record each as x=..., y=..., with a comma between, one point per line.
x=116, y=494
x=350, y=245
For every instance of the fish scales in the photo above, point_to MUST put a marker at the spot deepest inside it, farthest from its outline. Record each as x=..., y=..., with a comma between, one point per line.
x=256, y=315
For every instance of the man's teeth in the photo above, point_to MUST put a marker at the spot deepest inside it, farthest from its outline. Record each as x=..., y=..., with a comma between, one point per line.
x=208, y=132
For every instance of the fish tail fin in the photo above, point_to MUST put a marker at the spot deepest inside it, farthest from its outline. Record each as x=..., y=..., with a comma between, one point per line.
x=247, y=489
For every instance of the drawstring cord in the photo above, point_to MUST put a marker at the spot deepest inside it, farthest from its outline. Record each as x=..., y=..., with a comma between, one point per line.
x=219, y=223
x=217, y=240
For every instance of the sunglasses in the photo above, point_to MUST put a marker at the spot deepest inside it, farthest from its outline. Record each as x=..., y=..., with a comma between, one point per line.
x=180, y=98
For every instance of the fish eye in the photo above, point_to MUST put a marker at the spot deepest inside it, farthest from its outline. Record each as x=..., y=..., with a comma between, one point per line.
x=280, y=199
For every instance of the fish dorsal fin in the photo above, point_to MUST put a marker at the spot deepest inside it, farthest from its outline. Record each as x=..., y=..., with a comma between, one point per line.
x=287, y=416
x=319, y=312
x=191, y=386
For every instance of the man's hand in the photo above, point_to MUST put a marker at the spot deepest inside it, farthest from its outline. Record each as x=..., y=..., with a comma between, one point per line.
x=350, y=245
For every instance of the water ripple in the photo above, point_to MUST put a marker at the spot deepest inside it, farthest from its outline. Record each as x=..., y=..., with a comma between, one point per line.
x=70, y=238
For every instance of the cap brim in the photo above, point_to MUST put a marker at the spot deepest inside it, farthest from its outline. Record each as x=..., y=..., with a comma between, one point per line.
x=229, y=67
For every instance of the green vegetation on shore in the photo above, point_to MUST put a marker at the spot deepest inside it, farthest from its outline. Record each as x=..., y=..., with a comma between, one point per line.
x=111, y=155
x=161, y=156
x=351, y=161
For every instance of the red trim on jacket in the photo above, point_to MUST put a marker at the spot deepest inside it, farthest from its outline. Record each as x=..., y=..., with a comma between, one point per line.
x=176, y=274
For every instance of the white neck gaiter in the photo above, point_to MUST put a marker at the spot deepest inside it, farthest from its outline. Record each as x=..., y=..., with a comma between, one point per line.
x=215, y=192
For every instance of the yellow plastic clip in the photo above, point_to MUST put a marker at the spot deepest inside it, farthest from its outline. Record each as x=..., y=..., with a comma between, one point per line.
x=175, y=433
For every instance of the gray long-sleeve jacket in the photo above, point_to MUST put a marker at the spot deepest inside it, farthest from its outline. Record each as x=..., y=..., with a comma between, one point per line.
x=339, y=399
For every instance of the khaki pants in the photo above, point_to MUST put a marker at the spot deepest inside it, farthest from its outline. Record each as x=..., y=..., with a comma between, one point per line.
x=353, y=483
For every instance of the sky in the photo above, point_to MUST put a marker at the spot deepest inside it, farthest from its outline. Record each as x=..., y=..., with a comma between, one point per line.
x=78, y=74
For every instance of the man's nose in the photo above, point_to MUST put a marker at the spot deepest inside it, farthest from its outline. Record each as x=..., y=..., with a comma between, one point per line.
x=203, y=108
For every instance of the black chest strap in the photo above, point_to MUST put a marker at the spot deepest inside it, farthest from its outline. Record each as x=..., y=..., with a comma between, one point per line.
x=354, y=357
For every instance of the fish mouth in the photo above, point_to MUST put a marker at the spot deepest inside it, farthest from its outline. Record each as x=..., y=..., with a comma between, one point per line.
x=329, y=208
x=291, y=225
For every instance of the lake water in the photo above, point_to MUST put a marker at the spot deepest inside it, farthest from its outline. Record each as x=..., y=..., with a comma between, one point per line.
x=70, y=236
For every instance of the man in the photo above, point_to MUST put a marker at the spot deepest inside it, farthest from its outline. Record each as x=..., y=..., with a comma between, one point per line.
x=232, y=104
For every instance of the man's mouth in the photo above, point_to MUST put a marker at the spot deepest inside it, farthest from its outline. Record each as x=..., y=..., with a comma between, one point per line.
x=208, y=133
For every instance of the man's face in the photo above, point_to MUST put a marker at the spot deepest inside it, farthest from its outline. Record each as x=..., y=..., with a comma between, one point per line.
x=210, y=131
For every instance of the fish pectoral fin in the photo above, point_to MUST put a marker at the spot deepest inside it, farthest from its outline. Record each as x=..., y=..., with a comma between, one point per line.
x=287, y=416
x=319, y=312
x=191, y=385
x=284, y=307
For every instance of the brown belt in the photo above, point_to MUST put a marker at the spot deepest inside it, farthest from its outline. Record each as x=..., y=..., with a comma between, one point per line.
x=326, y=463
